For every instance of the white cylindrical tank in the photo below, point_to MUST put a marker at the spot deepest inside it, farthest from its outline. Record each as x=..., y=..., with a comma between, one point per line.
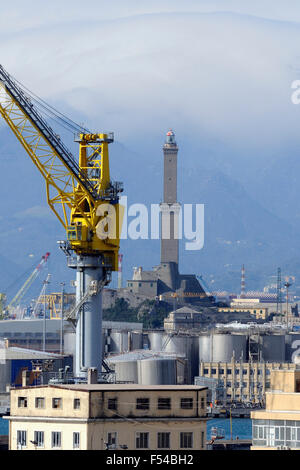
x=186, y=346
x=126, y=371
x=158, y=371
x=119, y=342
x=69, y=343
x=156, y=339
x=222, y=347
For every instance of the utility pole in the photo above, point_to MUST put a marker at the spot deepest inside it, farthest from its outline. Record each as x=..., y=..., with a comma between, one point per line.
x=47, y=281
x=62, y=317
x=243, y=283
x=279, y=297
x=287, y=285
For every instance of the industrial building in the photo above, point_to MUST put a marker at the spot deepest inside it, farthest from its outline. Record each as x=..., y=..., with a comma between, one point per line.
x=191, y=317
x=40, y=366
x=277, y=427
x=98, y=417
x=236, y=381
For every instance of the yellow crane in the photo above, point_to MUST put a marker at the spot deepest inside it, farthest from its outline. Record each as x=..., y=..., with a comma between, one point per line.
x=84, y=199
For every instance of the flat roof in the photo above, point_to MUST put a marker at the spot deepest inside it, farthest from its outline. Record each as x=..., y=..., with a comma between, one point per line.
x=121, y=387
x=126, y=387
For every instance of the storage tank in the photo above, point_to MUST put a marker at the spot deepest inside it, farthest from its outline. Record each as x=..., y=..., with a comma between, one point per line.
x=186, y=346
x=156, y=339
x=157, y=371
x=69, y=343
x=222, y=347
x=119, y=341
x=273, y=348
x=126, y=371
x=135, y=340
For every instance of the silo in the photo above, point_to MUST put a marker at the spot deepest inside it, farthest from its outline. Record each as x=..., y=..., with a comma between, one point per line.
x=126, y=371
x=157, y=371
x=227, y=346
x=135, y=340
x=205, y=348
x=186, y=346
x=273, y=348
x=222, y=347
x=119, y=341
x=69, y=343
x=156, y=339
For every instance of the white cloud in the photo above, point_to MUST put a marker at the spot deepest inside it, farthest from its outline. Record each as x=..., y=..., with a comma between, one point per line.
x=36, y=212
x=154, y=65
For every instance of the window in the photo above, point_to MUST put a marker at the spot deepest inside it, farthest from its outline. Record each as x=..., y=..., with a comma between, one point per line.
x=202, y=403
x=40, y=402
x=202, y=439
x=142, y=403
x=142, y=440
x=22, y=402
x=164, y=404
x=186, y=440
x=112, y=404
x=214, y=371
x=76, y=404
x=56, y=439
x=21, y=439
x=186, y=403
x=76, y=440
x=163, y=440
x=56, y=403
x=112, y=440
x=39, y=438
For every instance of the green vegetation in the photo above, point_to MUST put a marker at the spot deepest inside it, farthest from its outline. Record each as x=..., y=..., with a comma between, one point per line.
x=150, y=312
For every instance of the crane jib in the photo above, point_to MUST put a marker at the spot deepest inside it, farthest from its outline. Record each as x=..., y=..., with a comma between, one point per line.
x=48, y=134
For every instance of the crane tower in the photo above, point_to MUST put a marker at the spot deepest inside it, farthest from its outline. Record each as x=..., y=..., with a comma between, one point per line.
x=84, y=199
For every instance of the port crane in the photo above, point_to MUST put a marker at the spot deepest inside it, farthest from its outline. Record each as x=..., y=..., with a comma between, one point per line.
x=24, y=288
x=83, y=198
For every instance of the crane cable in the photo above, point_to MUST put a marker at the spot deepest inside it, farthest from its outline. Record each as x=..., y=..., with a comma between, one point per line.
x=42, y=104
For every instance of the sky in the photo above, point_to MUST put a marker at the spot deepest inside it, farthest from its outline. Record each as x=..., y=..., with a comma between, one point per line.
x=219, y=73
x=215, y=70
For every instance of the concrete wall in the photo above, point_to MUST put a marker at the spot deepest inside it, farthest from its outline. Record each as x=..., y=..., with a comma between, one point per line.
x=284, y=381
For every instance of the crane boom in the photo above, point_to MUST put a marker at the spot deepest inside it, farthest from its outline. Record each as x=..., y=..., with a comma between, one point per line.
x=29, y=281
x=75, y=190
